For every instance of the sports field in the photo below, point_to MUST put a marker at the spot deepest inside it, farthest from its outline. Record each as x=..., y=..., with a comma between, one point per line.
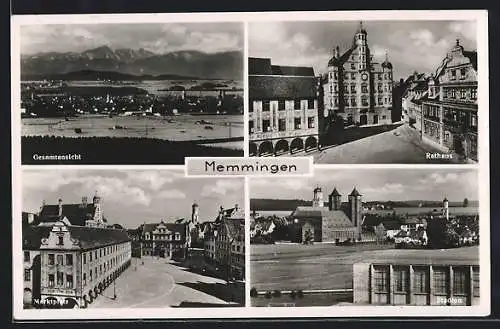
x=326, y=266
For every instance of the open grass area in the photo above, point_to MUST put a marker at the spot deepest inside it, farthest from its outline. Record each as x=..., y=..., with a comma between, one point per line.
x=326, y=266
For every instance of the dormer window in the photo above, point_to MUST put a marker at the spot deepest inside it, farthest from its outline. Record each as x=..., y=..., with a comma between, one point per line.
x=453, y=74
x=60, y=240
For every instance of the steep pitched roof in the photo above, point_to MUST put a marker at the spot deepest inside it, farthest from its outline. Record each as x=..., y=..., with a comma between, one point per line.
x=93, y=237
x=272, y=87
x=235, y=228
x=174, y=227
x=77, y=214
x=33, y=235
x=354, y=192
x=259, y=66
x=292, y=70
x=342, y=59
x=472, y=55
x=333, y=216
x=335, y=192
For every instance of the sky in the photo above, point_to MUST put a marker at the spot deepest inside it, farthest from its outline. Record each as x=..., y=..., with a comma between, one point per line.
x=411, y=45
x=374, y=185
x=159, y=38
x=132, y=197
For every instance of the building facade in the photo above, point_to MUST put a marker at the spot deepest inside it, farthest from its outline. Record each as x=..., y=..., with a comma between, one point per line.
x=357, y=89
x=417, y=85
x=283, y=108
x=224, y=242
x=337, y=222
x=69, y=266
x=163, y=239
x=416, y=284
x=450, y=108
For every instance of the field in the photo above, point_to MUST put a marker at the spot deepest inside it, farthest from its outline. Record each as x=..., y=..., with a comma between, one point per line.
x=326, y=266
x=176, y=128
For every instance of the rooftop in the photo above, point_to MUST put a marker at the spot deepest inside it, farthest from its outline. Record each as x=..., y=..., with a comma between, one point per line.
x=332, y=216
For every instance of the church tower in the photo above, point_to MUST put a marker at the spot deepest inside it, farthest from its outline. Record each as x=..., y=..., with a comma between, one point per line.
x=317, y=197
x=96, y=201
x=361, y=42
x=195, y=213
x=446, y=210
x=355, y=204
x=334, y=200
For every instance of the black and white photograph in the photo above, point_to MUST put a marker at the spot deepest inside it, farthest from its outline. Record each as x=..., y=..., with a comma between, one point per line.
x=131, y=92
x=402, y=91
x=132, y=239
x=365, y=237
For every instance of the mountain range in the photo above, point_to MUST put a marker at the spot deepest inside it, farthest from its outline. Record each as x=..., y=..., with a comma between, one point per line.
x=138, y=62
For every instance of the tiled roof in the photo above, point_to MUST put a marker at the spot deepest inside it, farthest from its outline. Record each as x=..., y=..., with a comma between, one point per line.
x=33, y=235
x=259, y=66
x=88, y=237
x=174, y=227
x=336, y=216
x=340, y=61
x=93, y=237
x=275, y=87
x=472, y=55
x=76, y=213
x=235, y=228
x=292, y=70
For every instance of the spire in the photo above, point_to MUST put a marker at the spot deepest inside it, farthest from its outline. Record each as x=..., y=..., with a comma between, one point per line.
x=335, y=192
x=361, y=28
x=336, y=52
x=354, y=192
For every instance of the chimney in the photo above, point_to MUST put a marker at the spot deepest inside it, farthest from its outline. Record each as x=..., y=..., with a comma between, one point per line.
x=236, y=207
x=337, y=52
x=60, y=208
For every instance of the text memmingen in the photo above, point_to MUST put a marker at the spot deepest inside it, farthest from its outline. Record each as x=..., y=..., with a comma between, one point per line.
x=241, y=166
x=214, y=167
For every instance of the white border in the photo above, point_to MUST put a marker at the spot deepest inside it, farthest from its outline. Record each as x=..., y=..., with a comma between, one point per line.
x=480, y=16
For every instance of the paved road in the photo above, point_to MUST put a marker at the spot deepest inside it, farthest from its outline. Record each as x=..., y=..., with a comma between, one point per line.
x=400, y=145
x=158, y=283
x=326, y=266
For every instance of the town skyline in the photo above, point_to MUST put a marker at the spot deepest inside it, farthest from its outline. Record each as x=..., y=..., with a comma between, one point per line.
x=155, y=37
x=374, y=185
x=410, y=45
x=132, y=197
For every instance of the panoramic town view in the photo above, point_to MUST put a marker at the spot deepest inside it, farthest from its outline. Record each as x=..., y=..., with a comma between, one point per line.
x=365, y=237
x=104, y=91
x=364, y=92
x=132, y=239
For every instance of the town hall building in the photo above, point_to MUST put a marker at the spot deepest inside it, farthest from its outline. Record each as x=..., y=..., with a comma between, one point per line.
x=357, y=88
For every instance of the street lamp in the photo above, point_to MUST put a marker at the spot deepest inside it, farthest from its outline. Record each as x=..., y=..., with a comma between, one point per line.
x=114, y=289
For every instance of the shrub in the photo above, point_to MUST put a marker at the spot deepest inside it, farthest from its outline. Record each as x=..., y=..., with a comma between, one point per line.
x=268, y=295
x=253, y=292
x=277, y=293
